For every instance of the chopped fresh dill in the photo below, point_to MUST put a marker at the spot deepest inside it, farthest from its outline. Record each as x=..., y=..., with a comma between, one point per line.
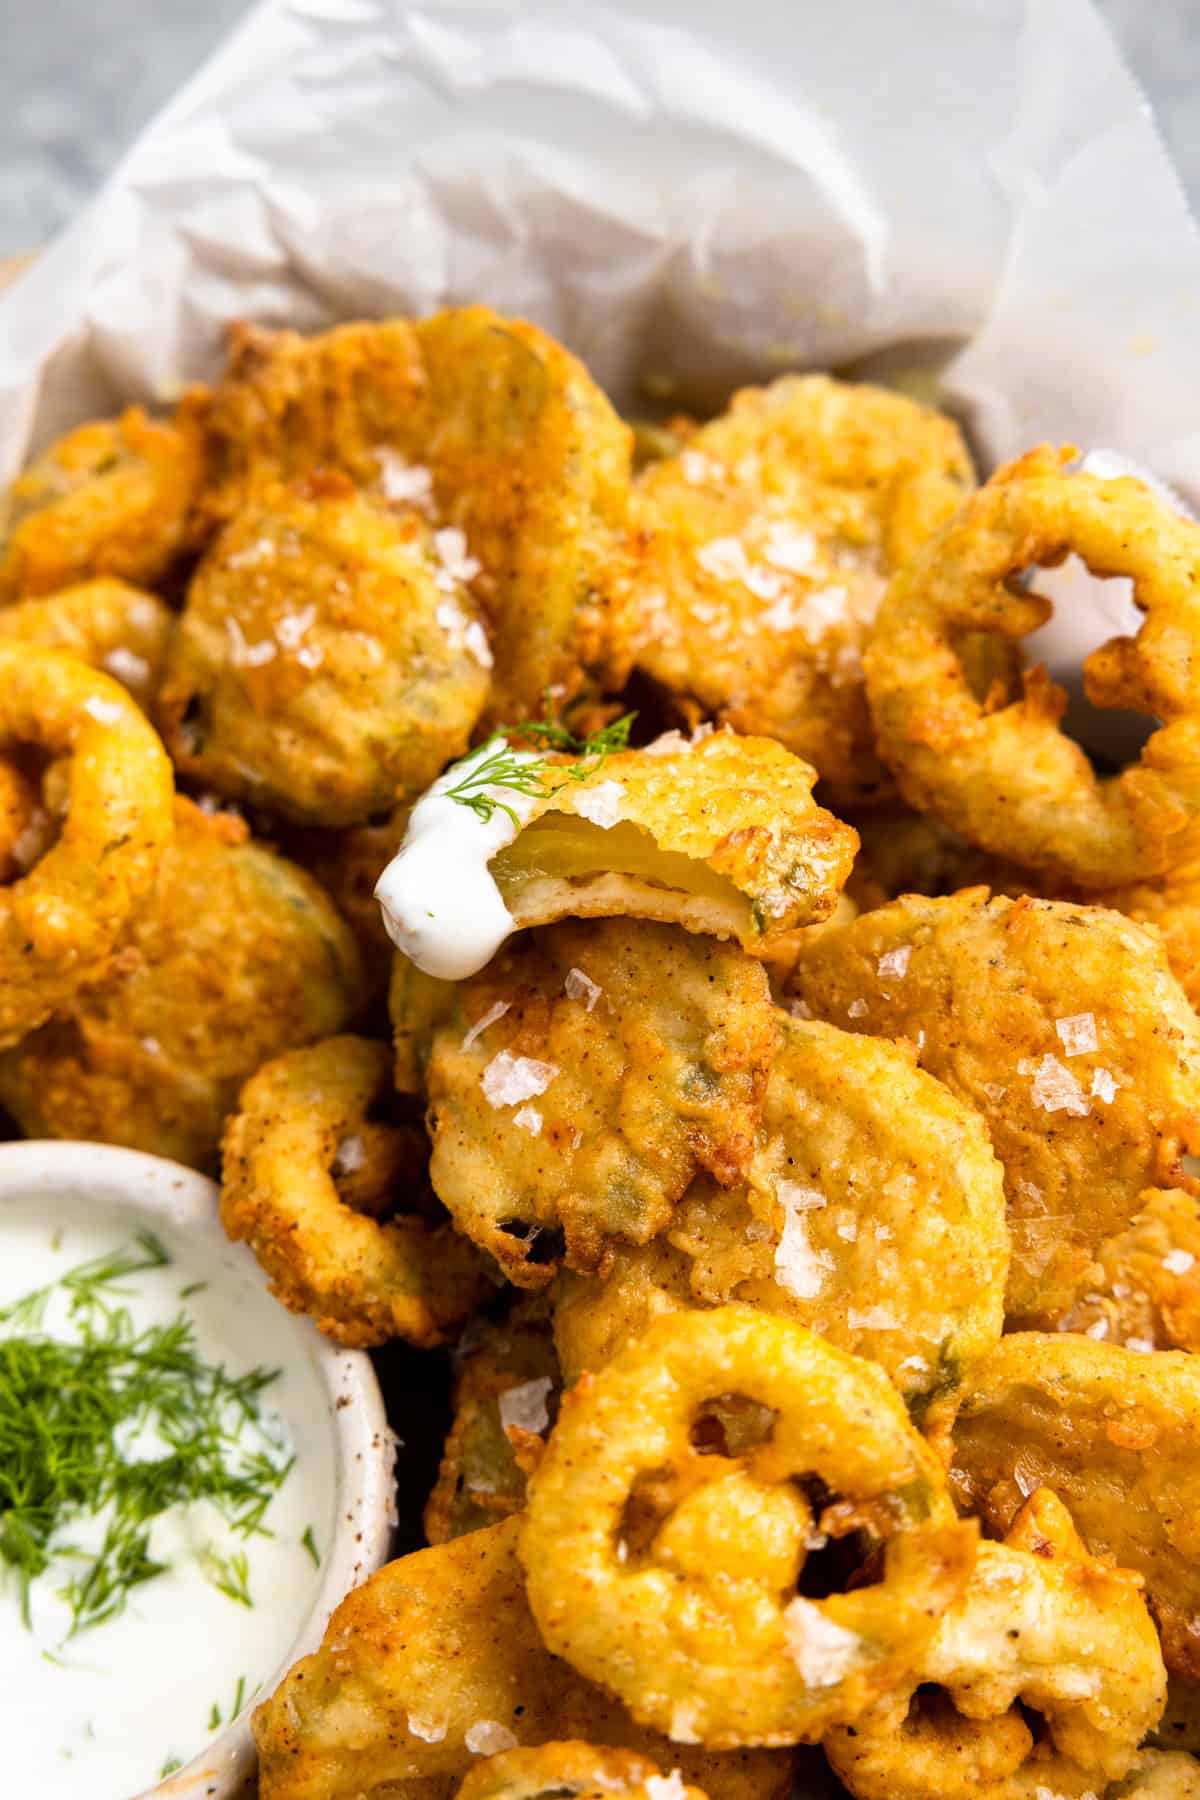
x=310, y=1544
x=113, y=1428
x=228, y=1574
x=497, y=765
x=193, y=1287
x=215, y=1716
x=169, y=1767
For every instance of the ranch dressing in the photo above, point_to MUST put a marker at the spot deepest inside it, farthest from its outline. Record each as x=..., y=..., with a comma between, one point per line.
x=440, y=905
x=107, y=1712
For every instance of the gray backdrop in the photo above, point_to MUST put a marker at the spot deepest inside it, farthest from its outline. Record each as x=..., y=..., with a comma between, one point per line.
x=79, y=77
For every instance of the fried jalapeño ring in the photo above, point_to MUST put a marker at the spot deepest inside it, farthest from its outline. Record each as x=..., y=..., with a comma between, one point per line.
x=670, y=1576
x=1007, y=778
x=61, y=921
x=363, y=1281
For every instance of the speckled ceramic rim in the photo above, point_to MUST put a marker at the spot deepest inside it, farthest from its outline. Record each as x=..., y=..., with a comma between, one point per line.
x=186, y=1201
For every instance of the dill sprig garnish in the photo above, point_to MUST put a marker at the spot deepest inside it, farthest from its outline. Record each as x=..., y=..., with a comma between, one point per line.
x=122, y=1424
x=496, y=765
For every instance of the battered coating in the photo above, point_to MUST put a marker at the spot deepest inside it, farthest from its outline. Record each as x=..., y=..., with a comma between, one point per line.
x=1063, y=1027
x=234, y=956
x=61, y=920
x=572, y=1771
x=874, y=1214
x=506, y=1392
x=107, y=624
x=329, y=662
x=435, y=1661
x=113, y=497
x=1116, y=1435
x=670, y=1575
x=1172, y=904
x=719, y=835
x=361, y=1279
x=1041, y=1623
x=1006, y=777
x=1143, y=1288
x=347, y=863
x=504, y=431
x=581, y=1081
x=759, y=554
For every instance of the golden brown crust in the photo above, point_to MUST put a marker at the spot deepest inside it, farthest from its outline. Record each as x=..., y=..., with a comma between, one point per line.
x=1063, y=1027
x=114, y=497
x=759, y=554
x=233, y=957
x=574, y=1119
x=1005, y=777
x=362, y=1280
x=438, y=1646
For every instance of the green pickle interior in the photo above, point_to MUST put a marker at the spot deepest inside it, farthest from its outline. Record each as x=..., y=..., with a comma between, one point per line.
x=561, y=847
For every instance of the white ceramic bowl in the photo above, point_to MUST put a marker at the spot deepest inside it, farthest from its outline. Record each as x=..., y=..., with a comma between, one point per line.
x=166, y=1197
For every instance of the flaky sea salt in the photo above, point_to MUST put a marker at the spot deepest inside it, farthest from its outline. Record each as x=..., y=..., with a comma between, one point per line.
x=457, y=563
x=258, y=551
x=723, y=557
x=310, y=656
x=293, y=628
x=665, y=1787
x=763, y=583
x=509, y=1079
x=895, y=962
x=788, y=548
x=475, y=643
x=1103, y=1086
x=525, y=1406
x=487, y=1737
x=579, y=986
x=483, y=1021
x=242, y=653
x=682, y=1728
x=856, y=1009
x=847, y=1230
x=798, y=1267
x=529, y=1119
x=430, y=1731
x=601, y=805
x=698, y=468
x=1144, y=1346
x=1097, y=1329
x=668, y=743
x=1054, y=1088
x=105, y=712
x=404, y=481
x=1078, y=1034
x=351, y=1155
x=1178, y=1262
x=127, y=667
x=823, y=1651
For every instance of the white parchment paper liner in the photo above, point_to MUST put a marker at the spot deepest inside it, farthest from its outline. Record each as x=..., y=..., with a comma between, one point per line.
x=705, y=193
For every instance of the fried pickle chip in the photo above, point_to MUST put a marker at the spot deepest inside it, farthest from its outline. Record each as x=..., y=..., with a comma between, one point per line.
x=1115, y=1434
x=874, y=1214
x=61, y=920
x=719, y=835
x=234, y=956
x=348, y=863
x=107, y=624
x=1143, y=1287
x=583, y=1078
x=301, y=1120
x=572, y=1771
x=671, y=1574
x=1043, y=1624
x=114, y=497
x=434, y=1662
x=1006, y=777
x=506, y=1387
x=329, y=662
x=759, y=553
x=1063, y=1027
x=1172, y=904
x=492, y=423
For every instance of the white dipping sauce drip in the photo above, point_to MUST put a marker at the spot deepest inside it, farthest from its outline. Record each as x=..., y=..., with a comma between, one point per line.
x=440, y=904
x=1088, y=610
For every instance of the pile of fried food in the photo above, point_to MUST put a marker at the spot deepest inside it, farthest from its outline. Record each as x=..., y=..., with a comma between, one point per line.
x=801, y=1184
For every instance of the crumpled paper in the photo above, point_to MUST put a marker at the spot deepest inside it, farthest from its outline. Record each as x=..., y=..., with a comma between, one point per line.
x=691, y=194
